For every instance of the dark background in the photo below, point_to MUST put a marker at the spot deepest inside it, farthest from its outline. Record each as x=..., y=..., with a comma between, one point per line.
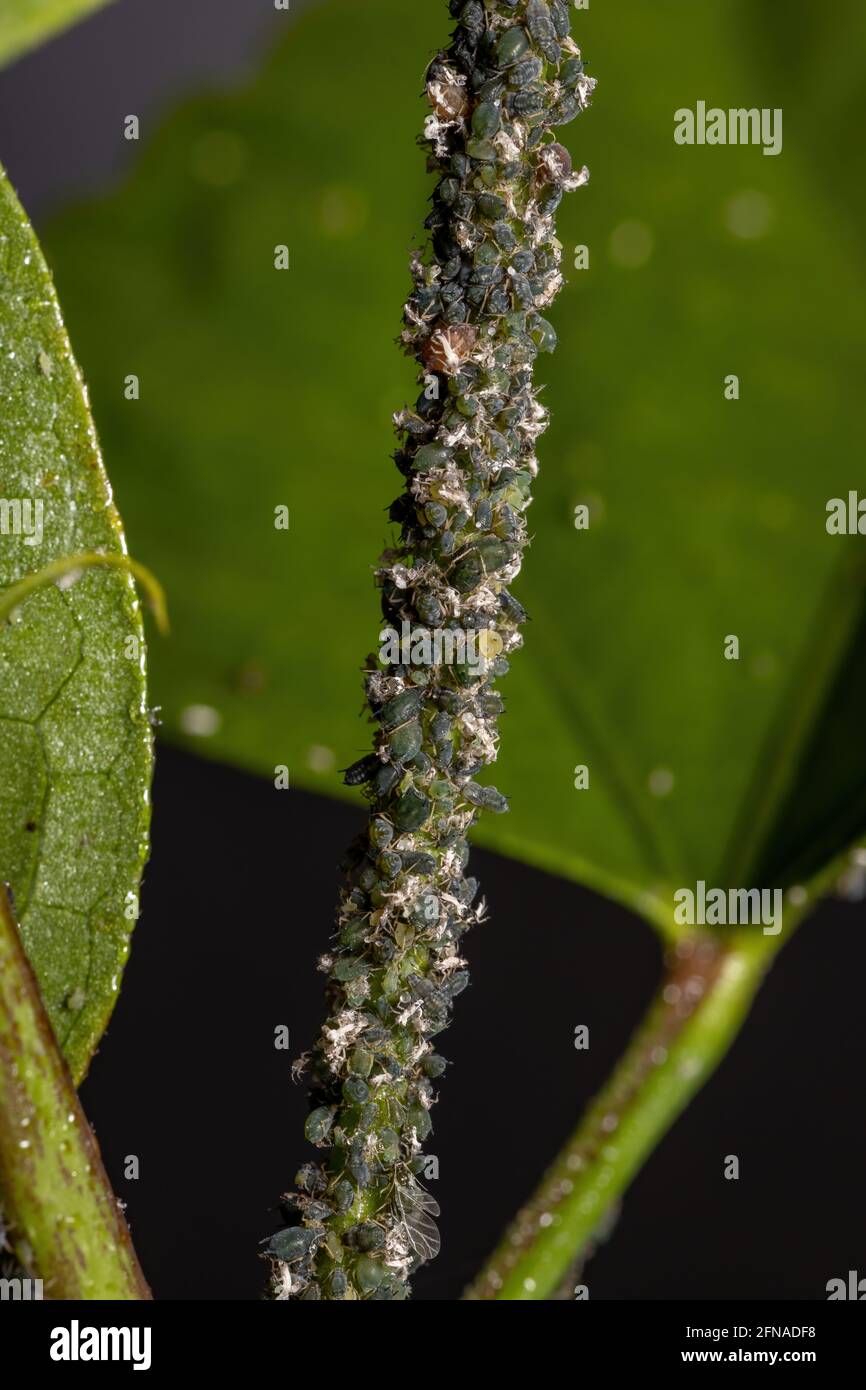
x=238, y=903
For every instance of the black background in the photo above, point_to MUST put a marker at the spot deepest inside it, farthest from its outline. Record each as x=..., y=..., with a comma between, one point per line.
x=238, y=903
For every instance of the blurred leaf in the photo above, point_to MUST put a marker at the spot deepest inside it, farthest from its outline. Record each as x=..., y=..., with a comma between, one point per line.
x=75, y=741
x=26, y=23
x=707, y=516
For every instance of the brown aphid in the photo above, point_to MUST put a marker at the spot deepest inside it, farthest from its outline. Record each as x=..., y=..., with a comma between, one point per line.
x=448, y=99
x=554, y=165
x=448, y=348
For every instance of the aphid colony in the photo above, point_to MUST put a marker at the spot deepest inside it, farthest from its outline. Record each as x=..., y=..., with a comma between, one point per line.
x=360, y=1222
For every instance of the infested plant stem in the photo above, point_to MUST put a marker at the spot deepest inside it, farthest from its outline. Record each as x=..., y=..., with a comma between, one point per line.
x=360, y=1221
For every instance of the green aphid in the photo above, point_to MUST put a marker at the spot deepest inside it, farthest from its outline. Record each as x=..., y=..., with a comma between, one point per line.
x=402, y=707
x=293, y=1244
x=486, y=120
x=511, y=47
x=369, y=1273
x=318, y=1124
x=412, y=810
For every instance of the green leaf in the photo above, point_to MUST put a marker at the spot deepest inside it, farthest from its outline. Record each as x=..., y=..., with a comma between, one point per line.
x=263, y=388
x=26, y=23
x=75, y=736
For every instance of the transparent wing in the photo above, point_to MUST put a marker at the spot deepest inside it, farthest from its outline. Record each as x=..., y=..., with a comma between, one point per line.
x=417, y=1209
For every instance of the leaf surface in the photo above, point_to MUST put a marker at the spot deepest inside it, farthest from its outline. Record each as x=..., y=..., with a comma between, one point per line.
x=75, y=737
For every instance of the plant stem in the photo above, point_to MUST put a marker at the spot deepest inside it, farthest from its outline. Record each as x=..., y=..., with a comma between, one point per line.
x=703, y=1000
x=66, y=1224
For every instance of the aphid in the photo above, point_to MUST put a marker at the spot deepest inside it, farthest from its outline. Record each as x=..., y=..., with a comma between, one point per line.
x=554, y=164
x=448, y=100
x=362, y=771
x=448, y=348
x=433, y=1064
x=528, y=101
x=344, y=1195
x=473, y=566
x=411, y=810
x=511, y=47
x=403, y=706
x=310, y=1178
x=318, y=1124
x=369, y=1273
x=356, y=1090
x=385, y=779
x=404, y=741
x=292, y=1245
x=486, y=797
x=368, y=1237
x=417, y=1209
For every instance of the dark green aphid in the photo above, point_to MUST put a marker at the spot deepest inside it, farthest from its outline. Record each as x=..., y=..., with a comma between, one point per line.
x=389, y=1146
x=434, y=1065
x=511, y=47
x=360, y=1172
x=412, y=810
x=350, y=968
x=369, y=1273
x=419, y=1120
x=477, y=564
x=318, y=1124
x=356, y=1090
x=559, y=17
x=362, y=771
x=571, y=70
x=543, y=334
x=529, y=70
x=389, y=864
x=419, y=863
x=505, y=239
x=404, y=741
x=491, y=206
x=368, y=1237
x=431, y=456
x=528, y=101
x=385, y=779
x=402, y=707
x=429, y=609
x=344, y=1196
x=486, y=119
x=487, y=797
x=293, y=1244
x=381, y=832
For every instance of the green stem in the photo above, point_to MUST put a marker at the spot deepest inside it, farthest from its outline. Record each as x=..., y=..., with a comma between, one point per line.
x=66, y=1225
x=58, y=569
x=703, y=1000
